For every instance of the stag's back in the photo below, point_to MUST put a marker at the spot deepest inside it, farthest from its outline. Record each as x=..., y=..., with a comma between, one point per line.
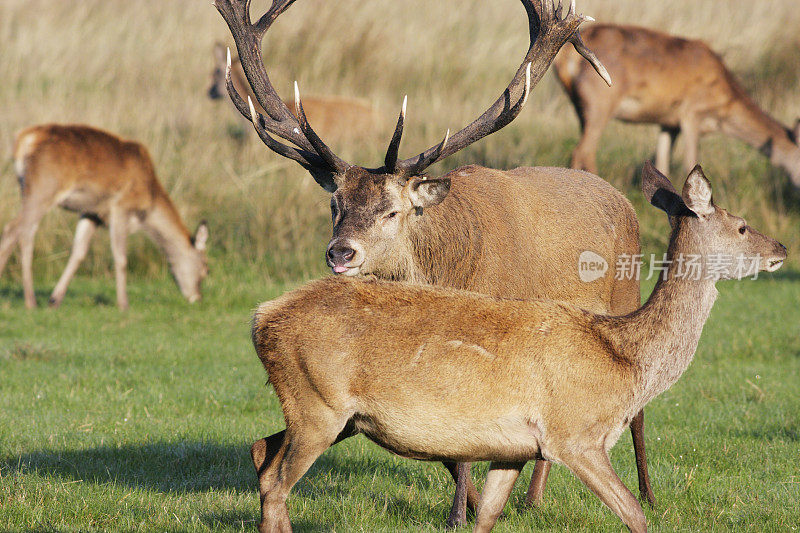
x=536, y=232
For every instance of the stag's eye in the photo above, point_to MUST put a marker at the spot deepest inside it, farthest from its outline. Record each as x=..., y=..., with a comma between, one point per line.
x=742, y=230
x=390, y=216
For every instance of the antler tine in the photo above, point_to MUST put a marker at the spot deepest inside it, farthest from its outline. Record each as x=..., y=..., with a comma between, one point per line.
x=590, y=56
x=324, y=152
x=305, y=158
x=390, y=161
x=279, y=120
x=548, y=33
x=248, y=111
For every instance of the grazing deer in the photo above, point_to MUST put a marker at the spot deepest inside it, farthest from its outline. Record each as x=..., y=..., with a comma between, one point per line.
x=438, y=374
x=680, y=84
x=107, y=180
x=514, y=234
x=335, y=116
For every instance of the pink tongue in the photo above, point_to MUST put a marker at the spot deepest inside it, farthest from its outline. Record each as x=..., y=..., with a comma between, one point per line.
x=339, y=269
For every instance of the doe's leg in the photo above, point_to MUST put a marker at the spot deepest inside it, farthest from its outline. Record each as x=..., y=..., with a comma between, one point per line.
x=283, y=458
x=32, y=214
x=118, y=229
x=594, y=115
x=637, y=432
x=691, y=138
x=80, y=246
x=664, y=144
x=594, y=469
x=541, y=470
x=499, y=482
x=8, y=240
x=466, y=496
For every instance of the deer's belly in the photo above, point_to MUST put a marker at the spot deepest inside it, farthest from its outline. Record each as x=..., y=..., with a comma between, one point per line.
x=454, y=440
x=84, y=201
x=638, y=109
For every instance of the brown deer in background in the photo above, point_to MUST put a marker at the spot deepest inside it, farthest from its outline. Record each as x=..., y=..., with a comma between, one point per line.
x=513, y=234
x=438, y=374
x=339, y=117
x=107, y=180
x=680, y=84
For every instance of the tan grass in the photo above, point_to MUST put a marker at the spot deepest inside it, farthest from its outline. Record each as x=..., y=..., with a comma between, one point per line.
x=141, y=69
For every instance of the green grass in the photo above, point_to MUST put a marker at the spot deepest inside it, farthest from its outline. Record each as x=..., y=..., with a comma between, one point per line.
x=142, y=421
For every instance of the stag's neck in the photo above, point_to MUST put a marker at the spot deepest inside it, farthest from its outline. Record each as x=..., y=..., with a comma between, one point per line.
x=446, y=243
x=165, y=227
x=750, y=124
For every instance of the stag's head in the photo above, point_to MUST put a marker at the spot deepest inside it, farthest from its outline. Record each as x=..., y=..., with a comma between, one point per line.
x=722, y=245
x=371, y=207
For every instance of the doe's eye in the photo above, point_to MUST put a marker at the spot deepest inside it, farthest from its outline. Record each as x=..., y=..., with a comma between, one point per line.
x=391, y=215
x=742, y=230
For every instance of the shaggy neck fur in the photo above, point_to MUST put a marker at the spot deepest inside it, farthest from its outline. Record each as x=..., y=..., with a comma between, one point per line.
x=446, y=243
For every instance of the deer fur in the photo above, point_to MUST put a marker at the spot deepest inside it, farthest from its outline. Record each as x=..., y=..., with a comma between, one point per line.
x=498, y=231
x=107, y=180
x=502, y=233
x=337, y=117
x=680, y=84
x=440, y=374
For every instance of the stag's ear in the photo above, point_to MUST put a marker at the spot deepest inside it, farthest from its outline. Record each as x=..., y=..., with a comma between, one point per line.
x=658, y=190
x=220, y=53
x=324, y=178
x=200, y=239
x=427, y=192
x=697, y=193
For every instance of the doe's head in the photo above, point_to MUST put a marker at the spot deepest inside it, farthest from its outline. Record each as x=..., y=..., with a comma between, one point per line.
x=191, y=268
x=217, y=88
x=724, y=244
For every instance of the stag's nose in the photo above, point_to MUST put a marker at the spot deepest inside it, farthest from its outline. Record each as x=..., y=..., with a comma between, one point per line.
x=338, y=256
x=213, y=93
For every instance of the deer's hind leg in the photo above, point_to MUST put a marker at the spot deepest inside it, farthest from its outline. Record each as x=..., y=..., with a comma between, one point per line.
x=466, y=496
x=8, y=240
x=32, y=213
x=594, y=469
x=84, y=231
x=496, y=490
x=283, y=458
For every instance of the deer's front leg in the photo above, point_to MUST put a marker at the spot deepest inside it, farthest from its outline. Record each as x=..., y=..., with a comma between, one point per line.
x=118, y=228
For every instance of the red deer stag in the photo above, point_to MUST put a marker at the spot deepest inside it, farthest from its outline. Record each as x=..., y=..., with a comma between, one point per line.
x=107, y=180
x=680, y=84
x=339, y=117
x=438, y=374
x=514, y=234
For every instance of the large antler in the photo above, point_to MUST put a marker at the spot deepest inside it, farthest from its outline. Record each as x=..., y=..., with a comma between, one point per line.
x=309, y=150
x=548, y=33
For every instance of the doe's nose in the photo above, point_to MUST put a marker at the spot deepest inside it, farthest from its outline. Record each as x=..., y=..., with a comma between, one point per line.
x=340, y=254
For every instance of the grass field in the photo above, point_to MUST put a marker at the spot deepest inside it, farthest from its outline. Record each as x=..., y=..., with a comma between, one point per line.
x=142, y=421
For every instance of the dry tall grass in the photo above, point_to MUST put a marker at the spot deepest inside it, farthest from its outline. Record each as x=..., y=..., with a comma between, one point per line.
x=141, y=69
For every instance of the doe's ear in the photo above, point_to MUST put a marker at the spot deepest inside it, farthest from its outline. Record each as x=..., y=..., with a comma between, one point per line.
x=697, y=193
x=201, y=237
x=658, y=190
x=796, y=132
x=427, y=192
